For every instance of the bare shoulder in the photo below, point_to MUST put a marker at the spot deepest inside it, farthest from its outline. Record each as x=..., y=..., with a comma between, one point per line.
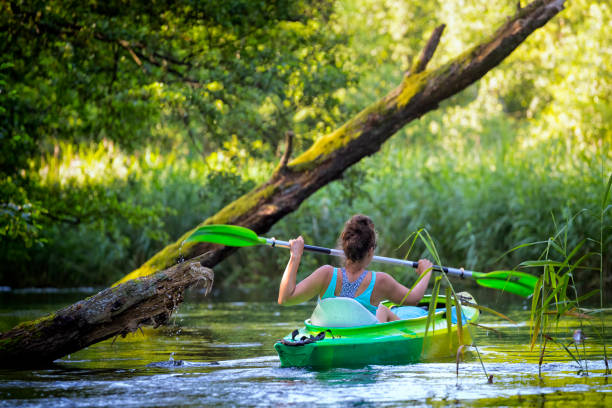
x=385, y=279
x=323, y=275
x=324, y=270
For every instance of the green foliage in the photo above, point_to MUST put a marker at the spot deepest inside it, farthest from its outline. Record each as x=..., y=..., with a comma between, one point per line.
x=153, y=199
x=103, y=160
x=196, y=78
x=497, y=164
x=557, y=294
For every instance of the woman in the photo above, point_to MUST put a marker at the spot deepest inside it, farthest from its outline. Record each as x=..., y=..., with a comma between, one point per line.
x=358, y=241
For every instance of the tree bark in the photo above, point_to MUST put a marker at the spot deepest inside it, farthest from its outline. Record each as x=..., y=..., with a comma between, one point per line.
x=111, y=312
x=419, y=92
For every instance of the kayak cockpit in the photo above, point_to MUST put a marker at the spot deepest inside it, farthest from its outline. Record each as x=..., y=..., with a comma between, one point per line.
x=341, y=333
x=341, y=312
x=347, y=314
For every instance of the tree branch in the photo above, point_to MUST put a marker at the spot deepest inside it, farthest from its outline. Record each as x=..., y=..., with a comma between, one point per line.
x=129, y=49
x=138, y=55
x=288, y=148
x=428, y=51
x=137, y=50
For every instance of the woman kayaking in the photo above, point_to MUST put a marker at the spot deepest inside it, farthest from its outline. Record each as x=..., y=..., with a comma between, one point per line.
x=358, y=241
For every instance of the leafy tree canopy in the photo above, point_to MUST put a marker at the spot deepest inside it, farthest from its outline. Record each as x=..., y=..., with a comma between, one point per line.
x=152, y=73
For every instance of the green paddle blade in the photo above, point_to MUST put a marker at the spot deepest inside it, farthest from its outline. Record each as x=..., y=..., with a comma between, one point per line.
x=228, y=235
x=519, y=283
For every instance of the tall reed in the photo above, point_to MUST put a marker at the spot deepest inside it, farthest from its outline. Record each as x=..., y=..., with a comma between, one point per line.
x=556, y=293
x=451, y=298
x=604, y=208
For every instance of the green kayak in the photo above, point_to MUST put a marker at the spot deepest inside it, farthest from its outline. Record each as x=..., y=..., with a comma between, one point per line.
x=339, y=334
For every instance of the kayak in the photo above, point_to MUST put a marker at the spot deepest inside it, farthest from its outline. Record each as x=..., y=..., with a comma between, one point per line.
x=340, y=334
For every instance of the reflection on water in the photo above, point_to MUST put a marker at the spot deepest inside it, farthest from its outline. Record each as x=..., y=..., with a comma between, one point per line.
x=221, y=354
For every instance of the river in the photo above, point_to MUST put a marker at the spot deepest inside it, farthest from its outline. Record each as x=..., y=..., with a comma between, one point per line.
x=219, y=353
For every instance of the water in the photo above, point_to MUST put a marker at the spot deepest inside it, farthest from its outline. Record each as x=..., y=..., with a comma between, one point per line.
x=220, y=353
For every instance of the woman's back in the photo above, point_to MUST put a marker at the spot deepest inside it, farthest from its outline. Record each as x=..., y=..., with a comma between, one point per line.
x=360, y=289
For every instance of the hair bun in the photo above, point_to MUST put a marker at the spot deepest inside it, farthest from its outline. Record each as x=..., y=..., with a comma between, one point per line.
x=358, y=237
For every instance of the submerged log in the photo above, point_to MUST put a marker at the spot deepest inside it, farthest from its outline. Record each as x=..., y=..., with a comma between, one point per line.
x=115, y=311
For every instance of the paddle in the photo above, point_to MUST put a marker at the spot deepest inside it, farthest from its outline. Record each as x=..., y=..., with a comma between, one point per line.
x=519, y=283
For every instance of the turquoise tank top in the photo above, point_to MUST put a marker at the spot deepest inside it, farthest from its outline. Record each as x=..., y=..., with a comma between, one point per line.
x=364, y=298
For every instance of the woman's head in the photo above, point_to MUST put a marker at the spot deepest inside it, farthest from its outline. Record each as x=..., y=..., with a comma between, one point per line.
x=358, y=237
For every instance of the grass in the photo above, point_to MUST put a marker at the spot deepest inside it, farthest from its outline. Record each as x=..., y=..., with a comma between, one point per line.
x=451, y=298
x=135, y=205
x=604, y=208
x=476, y=206
x=556, y=294
x=477, y=202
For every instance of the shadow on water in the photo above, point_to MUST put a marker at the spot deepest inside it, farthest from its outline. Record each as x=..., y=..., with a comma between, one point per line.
x=220, y=353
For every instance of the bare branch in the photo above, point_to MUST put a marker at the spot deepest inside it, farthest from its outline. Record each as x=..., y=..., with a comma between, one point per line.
x=288, y=148
x=428, y=51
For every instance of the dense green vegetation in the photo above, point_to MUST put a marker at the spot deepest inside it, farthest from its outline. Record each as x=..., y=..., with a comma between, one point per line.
x=104, y=159
x=91, y=89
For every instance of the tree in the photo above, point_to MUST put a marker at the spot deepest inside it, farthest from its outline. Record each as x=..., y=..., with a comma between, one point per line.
x=420, y=91
x=152, y=73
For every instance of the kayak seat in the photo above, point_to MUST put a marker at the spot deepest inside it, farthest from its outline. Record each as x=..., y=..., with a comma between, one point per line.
x=341, y=312
x=414, y=312
x=408, y=312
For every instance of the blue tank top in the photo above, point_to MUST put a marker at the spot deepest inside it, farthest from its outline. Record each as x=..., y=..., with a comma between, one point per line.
x=364, y=298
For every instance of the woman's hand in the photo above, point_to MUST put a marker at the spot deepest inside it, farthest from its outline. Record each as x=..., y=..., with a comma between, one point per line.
x=424, y=265
x=296, y=246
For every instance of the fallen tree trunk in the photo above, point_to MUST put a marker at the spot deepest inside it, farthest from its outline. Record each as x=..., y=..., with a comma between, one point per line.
x=420, y=91
x=115, y=311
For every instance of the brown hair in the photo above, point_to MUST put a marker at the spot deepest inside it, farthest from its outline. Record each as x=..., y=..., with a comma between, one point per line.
x=357, y=237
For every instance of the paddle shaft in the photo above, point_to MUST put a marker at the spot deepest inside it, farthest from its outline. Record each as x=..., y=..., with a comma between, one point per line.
x=516, y=282
x=393, y=261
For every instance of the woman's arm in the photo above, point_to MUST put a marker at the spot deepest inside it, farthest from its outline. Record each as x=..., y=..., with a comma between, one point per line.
x=291, y=294
x=396, y=292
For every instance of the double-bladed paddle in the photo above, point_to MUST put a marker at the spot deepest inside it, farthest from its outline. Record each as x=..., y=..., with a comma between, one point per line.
x=519, y=283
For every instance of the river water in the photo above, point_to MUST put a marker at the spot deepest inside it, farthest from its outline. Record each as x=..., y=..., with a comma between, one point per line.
x=218, y=353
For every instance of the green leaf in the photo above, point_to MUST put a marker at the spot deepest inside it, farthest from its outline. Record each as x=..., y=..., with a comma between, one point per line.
x=449, y=320
x=588, y=295
x=432, y=305
x=606, y=194
x=535, y=264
